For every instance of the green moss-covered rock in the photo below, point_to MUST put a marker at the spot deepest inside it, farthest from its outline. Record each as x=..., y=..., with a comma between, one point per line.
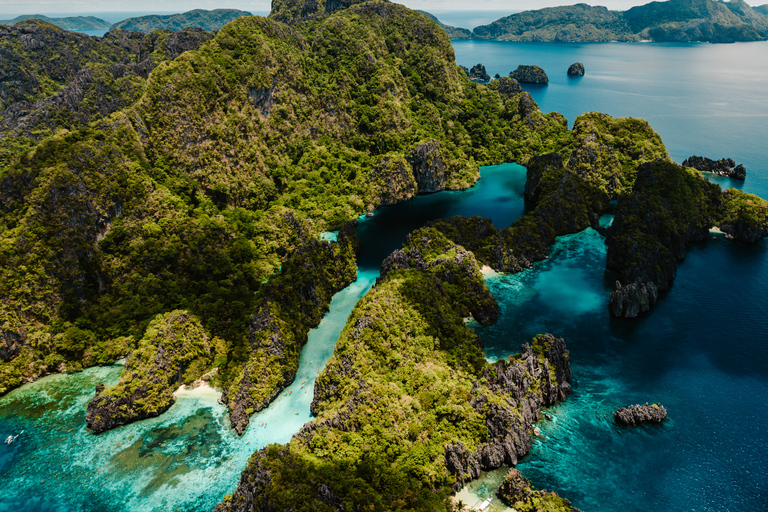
x=669, y=207
x=745, y=216
x=518, y=493
x=529, y=75
x=175, y=350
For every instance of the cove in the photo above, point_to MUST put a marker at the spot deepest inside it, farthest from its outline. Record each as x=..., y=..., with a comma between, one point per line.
x=188, y=458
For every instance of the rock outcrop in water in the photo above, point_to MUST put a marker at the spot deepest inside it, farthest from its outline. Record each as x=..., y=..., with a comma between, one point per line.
x=635, y=298
x=576, y=69
x=408, y=380
x=530, y=75
x=639, y=414
x=517, y=492
x=723, y=167
x=479, y=74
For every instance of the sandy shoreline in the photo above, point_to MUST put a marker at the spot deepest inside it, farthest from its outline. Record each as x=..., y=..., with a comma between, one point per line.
x=201, y=391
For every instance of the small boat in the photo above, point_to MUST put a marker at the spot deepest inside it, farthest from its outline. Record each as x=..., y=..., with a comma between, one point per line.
x=10, y=439
x=485, y=504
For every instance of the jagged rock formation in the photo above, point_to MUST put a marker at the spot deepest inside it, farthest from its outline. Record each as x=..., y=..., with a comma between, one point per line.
x=428, y=167
x=635, y=298
x=638, y=414
x=674, y=20
x=508, y=87
x=508, y=429
x=518, y=493
x=529, y=75
x=723, y=167
x=576, y=69
x=669, y=207
x=479, y=74
x=210, y=21
x=175, y=350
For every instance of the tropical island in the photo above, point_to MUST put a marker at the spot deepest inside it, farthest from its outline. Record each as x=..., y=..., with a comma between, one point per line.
x=198, y=18
x=163, y=196
x=670, y=21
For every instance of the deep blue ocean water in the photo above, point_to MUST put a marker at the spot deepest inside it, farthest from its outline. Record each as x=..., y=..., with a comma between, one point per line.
x=701, y=352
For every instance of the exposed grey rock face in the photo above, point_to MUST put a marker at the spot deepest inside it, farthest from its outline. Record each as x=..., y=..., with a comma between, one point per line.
x=479, y=74
x=635, y=298
x=530, y=75
x=396, y=180
x=535, y=169
x=638, y=414
x=508, y=426
x=723, y=167
x=509, y=87
x=576, y=69
x=428, y=167
x=10, y=344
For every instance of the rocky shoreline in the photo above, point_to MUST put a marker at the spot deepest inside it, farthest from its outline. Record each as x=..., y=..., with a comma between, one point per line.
x=724, y=167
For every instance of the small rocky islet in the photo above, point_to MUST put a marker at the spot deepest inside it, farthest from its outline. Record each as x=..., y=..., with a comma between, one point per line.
x=576, y=69
x=723, y=167
x=640, y=414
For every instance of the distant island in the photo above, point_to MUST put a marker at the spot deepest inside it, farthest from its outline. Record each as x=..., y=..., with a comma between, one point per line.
x=71, y=23
x=210, y=21
x=672, y=21
x=207, y=20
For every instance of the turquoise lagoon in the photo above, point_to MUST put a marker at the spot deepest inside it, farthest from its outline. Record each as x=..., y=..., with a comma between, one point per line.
x=702, y=351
